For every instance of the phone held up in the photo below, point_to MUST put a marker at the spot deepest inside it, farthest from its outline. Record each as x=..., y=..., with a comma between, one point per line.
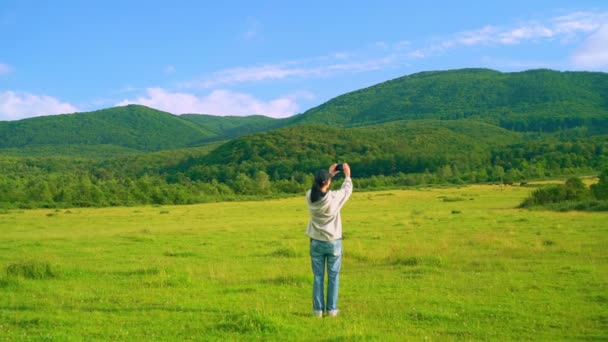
x=339, y=167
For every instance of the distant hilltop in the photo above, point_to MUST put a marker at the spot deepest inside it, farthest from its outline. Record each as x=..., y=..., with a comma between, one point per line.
x=529, y=101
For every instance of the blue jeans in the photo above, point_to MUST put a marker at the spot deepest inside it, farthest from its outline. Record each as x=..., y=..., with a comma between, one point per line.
x=324, y=253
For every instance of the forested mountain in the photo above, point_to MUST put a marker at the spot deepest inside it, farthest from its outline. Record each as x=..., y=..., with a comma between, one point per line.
x=536, y=100
x=412, y=146
x=121, y=130
x=134, y=127
x=530, y=101
x=457, y=126
x=455, y=150
x=228, y=127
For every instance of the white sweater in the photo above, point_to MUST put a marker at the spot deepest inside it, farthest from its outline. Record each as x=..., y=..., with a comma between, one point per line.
x=325, y=223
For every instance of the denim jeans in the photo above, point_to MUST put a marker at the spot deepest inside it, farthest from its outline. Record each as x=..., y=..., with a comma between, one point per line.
x=322, y=254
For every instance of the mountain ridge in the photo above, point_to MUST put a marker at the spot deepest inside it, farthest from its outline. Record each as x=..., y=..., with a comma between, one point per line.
x=437, y=127
x=485, y=94
x=527, y=101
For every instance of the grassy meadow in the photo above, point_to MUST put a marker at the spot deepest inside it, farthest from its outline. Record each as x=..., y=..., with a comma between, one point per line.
x=430, y=264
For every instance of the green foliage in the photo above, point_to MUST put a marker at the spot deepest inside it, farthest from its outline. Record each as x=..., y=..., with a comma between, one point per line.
x=573, y=194
x=449, y=127
x=536, y=100
x=230, y=127
x=134, y=127
x=530, y=101
x=600, y=190
x=384, y=149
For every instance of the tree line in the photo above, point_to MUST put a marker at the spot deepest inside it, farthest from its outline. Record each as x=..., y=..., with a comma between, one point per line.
x=65, y=182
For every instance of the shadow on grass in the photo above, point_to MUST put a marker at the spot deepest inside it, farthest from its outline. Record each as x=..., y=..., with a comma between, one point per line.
x=285, y=253
x=412, y=261
x=139, y=272
x=141, y=308
x=33, y=269
x=288, y=280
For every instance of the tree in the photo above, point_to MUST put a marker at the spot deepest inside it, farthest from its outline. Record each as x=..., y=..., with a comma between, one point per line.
x=600, y=190
x=575, y=190
x=262, y=181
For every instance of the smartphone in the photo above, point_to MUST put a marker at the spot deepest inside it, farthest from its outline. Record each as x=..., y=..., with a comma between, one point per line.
x=340, y=167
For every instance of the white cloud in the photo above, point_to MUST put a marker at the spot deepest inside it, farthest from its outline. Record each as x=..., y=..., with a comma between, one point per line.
x=563, y=27
x=524, y=33
x=254, y=74
x=5, y=69
x=593, y=54
x=578, y=22
x=19, y=105
x=314, y=68
x=218, y=102
x=381, y=54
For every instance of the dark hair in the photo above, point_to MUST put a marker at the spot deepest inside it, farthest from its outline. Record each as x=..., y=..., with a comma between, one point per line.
x=321, y=176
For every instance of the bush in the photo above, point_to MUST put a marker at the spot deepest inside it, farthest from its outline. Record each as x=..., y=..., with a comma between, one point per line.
x=600, y=190
x=573, y=195
x=572, y=191
x=544, y=196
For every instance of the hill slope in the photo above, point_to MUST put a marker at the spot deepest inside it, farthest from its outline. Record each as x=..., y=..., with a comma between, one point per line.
x=402, y=146
x=530, y=101
x=526, y=101
x=228, y=127
x=135, y=127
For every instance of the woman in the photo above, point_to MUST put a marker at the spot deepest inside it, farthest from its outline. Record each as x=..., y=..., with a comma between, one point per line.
x=325, y=232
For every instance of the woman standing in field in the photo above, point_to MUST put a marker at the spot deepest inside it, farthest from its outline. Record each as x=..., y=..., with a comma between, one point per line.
x=325, y=232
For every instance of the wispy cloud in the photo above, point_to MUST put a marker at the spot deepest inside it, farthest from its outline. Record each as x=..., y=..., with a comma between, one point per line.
x=578, y=22
x=564, y=28
x=318, y=68
x=5, y=69
x=382, y=55
x=19, y=105
x=218, y=102
x=593, y=53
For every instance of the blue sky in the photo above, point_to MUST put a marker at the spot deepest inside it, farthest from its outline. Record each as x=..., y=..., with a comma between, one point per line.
x=276, y=58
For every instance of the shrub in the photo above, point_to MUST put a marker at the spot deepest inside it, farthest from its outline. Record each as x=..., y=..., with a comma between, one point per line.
x=576, y=190
x=544, y=195
x=573, y=190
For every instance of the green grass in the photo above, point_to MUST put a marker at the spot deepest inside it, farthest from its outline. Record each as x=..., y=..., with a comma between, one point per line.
x=416, y=267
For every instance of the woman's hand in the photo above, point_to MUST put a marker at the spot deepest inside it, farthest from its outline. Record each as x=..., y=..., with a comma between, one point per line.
x=346, y=169
x=332, y=170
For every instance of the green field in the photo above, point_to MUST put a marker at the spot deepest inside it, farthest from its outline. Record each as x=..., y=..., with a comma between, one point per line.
x=429, y=264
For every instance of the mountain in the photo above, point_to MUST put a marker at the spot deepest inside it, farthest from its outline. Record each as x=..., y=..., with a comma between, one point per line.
x=532, y=100
x=135, y=127
x=123, y=130
x=529, y=101
x=228, y=127
x=457, y=126
x=407, y=146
